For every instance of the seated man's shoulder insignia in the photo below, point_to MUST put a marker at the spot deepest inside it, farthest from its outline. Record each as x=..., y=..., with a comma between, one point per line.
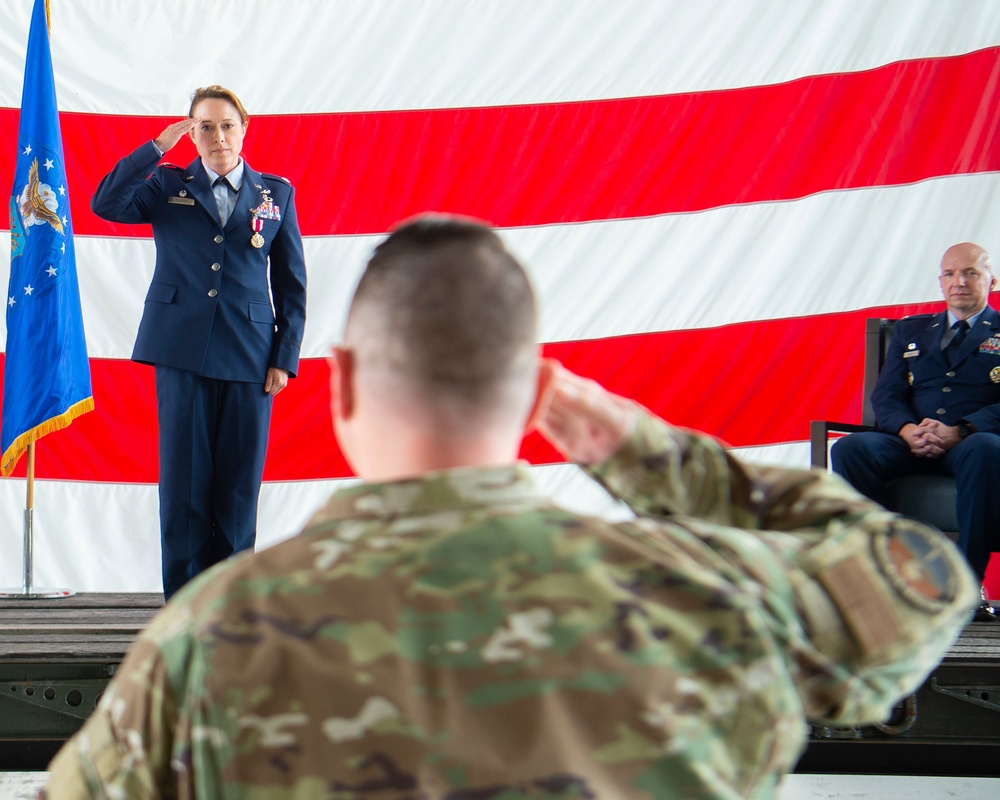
x=917, y=566
x=919, y=316
x=276, y=178
x=168, y=165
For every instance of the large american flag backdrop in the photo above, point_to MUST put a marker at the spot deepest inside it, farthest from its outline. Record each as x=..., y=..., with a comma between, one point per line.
x=711, y=197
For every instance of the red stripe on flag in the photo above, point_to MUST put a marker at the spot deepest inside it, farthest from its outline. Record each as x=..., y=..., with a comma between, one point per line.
x=572, y=162
x=749, y=384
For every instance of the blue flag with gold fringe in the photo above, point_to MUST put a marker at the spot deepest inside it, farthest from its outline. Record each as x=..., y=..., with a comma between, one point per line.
x=46, y=382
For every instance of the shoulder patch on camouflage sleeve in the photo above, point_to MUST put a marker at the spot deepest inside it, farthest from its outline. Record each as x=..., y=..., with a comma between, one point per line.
x=869, y=615
x=915, y=565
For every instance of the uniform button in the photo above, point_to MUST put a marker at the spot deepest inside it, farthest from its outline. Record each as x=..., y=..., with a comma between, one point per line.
x=216, y=266
x=946, y=389
x=213, y=293
x=939, y=411
x=949, y=374
x=218, y=238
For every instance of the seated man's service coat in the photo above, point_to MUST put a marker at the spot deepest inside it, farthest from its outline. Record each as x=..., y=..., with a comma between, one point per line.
x=919, y=381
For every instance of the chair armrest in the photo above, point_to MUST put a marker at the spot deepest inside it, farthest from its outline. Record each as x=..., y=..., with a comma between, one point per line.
x=819, y=433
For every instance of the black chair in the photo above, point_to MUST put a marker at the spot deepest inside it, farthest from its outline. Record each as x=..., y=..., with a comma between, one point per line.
x=927, y=498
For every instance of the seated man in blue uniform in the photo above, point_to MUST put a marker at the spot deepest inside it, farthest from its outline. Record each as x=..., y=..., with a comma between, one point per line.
x=937, y=407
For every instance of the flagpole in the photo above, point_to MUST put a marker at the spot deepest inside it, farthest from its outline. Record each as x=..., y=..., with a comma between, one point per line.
x=34, y=407
x=28, y=591
x=29, y=518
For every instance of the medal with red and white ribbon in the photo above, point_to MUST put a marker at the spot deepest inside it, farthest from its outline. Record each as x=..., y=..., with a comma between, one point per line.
x=258, y=225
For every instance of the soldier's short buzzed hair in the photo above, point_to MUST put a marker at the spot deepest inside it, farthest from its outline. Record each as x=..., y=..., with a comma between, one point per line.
x=216, y=92
x=445, y=305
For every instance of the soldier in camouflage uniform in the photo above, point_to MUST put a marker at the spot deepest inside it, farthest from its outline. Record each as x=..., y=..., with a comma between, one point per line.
x=441, y=631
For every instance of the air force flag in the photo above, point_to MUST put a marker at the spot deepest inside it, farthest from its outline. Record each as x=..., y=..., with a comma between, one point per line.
x=46, y=371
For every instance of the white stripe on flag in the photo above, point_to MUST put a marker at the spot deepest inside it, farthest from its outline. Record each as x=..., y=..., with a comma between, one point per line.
x=104, y=537
x=823, y=254
x=396, y=54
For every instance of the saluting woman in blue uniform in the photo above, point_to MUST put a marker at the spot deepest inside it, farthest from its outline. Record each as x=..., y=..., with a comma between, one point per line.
x=222, y=323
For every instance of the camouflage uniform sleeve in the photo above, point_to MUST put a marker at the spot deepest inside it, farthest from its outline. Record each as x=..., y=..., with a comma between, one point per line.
x=124, y=748
x=864, y=602
x=663, y=470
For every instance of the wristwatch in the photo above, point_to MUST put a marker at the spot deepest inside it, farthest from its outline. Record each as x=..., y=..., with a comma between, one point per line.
x=964, y=429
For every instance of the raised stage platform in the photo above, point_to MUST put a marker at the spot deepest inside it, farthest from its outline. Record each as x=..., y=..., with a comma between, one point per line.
x=57, y=656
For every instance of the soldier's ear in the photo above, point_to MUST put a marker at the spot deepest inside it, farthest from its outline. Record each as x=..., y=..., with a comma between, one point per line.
x=341, y=362
x=543, y=392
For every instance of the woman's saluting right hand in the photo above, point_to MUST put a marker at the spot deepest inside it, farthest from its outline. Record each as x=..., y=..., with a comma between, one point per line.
x=172, y=133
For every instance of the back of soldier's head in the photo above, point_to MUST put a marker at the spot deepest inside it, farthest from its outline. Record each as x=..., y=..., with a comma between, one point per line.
x=443, y=307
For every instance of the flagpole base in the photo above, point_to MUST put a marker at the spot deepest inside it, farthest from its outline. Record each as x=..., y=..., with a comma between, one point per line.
x=35, y=594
